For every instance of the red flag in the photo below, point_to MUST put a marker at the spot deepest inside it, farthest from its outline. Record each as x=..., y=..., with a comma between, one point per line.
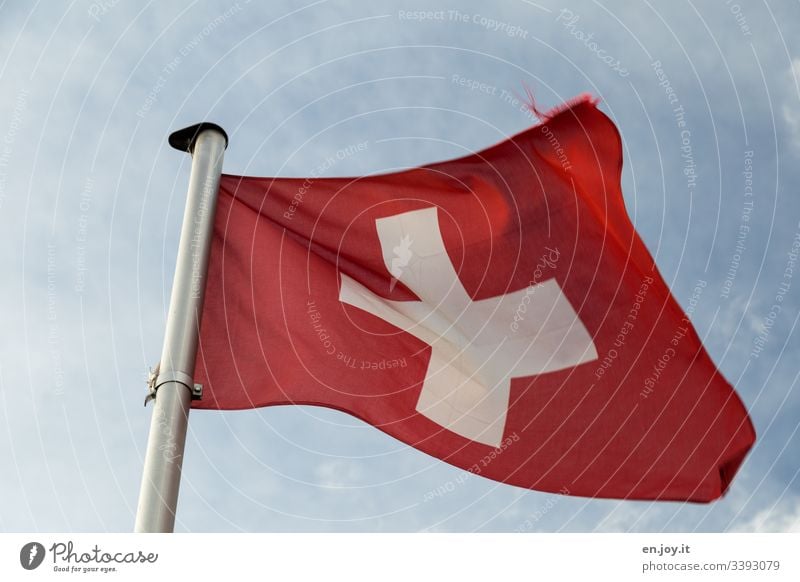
x=497, y=311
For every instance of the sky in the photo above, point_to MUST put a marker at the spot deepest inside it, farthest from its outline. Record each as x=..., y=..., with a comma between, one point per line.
x=91, y=201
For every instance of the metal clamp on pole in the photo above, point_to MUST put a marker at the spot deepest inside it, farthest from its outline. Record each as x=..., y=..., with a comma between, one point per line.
x=158, y=497
x=157, y=378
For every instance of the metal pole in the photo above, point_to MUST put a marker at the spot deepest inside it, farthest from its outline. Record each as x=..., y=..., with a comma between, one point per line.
x=172, y=384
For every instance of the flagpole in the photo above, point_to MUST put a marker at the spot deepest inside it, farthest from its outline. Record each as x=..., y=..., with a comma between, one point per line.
x=171, y=384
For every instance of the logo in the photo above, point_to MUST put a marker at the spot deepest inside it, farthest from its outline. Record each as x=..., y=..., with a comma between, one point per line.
x=31, y=555
x=402, y=255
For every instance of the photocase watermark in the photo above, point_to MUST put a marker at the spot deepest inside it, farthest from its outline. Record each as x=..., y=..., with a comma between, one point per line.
x=422, y=15
x=558, y=149
x=533, y=518
x=169, y=447
x=504, y=95
x=100, y=8
x=31, y=555
x=473, y=84
x=490, y=24
x=627, y=327
x=319, y=171
x=196, y=245
x=744, y=227
x=402, y=256
x=316, y=323
x=53, y=332
x=82, y=235
x=679, y=113
x=68, y=559
x=694, y=298
x=476, y=469
x=569, y=20
x=741, y=20
x=346, y=360
x=546, y=262
x=7, y=146
x=760, y=342
x=95, y=560
x=670, y=351
x=360, y=364
x=169, y=69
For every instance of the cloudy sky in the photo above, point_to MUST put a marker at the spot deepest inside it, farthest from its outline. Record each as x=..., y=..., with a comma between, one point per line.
x=91, y=199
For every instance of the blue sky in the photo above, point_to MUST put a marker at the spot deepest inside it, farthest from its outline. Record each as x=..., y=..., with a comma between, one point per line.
x=91, y=199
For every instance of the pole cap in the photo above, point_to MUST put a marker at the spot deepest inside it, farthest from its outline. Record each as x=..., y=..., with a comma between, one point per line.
x=184, y=139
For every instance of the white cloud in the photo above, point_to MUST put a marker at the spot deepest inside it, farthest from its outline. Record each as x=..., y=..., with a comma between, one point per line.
x=783, y=517
x=338, y=473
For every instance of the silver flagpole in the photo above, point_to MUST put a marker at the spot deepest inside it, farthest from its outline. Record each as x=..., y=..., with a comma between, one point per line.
x=171, y=384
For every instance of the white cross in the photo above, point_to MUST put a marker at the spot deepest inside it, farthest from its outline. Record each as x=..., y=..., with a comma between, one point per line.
x=475, y=350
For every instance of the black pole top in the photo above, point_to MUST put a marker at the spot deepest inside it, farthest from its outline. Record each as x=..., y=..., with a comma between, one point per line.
x=183, y=140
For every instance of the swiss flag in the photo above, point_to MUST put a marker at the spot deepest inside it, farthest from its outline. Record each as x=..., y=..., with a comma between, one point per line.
x=497, y=311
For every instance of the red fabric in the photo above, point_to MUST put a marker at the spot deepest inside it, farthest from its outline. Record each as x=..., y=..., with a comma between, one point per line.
x=592, y=431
